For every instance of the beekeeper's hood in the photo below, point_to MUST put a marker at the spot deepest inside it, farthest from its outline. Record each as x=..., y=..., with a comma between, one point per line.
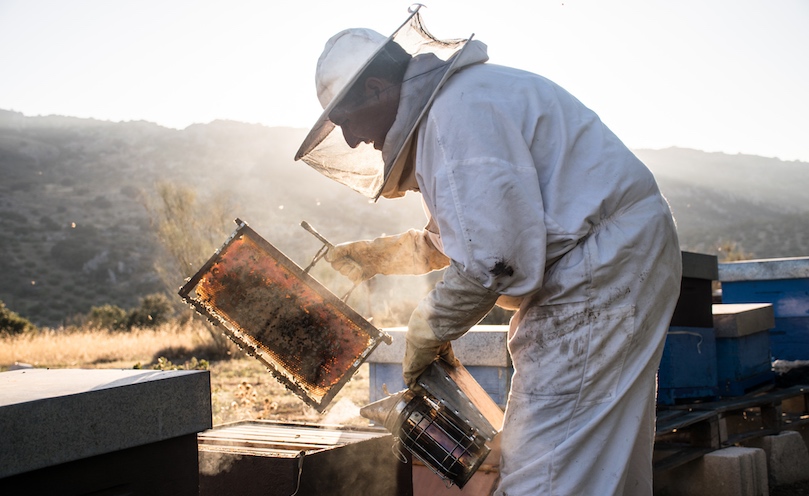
x=372, y=172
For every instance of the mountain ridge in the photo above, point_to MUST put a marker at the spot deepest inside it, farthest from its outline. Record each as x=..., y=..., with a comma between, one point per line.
x=75, y=233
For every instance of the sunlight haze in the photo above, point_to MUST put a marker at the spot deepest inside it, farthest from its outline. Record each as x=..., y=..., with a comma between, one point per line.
x=719, y=76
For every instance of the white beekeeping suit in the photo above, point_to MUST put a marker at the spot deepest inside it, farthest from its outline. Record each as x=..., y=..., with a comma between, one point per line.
x=534, y=199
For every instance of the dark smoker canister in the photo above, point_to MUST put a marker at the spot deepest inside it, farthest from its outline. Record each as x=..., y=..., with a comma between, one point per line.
x=448, y=427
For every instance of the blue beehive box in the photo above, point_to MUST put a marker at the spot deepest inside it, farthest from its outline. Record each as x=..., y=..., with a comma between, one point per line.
x=688, y=368
x=782, y=282
x=743, y=347
x=482, y=351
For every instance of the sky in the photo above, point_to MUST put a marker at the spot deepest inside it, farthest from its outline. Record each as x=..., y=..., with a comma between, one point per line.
x=727, y=76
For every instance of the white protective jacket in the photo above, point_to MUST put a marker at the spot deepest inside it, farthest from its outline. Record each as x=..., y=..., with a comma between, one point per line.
x=536, y=198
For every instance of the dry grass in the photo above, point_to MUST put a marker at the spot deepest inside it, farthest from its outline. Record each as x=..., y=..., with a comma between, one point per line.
x=241, y=388
x=60, y=348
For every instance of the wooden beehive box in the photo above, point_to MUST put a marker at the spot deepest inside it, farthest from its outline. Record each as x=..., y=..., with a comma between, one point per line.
x=482, y=350
x=743, y=346
x=688, y=369
x=282, y=458
x=782, y=282
x=694, y=303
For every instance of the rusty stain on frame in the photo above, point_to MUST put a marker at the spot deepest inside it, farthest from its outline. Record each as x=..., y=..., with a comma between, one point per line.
x=311, y=341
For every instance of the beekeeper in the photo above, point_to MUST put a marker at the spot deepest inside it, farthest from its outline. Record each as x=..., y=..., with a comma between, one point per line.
x=532, y=202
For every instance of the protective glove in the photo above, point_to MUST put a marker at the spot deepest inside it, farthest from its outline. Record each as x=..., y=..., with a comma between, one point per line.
x=452, y=308
x=409, y=253
x=423, y=348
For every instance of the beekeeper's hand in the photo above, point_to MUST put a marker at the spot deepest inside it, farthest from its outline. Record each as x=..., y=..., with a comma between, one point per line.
x=409, y=253
x=351, y=260
x=421, y=349
x=452, y=308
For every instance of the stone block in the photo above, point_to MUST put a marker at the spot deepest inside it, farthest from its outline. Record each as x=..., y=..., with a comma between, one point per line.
x=733, y=471
x=787, y=458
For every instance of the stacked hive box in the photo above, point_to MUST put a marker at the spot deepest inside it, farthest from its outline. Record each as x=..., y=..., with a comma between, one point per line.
x=482, y=350
x=782, y=282
x=743, y=346
x=261, y=457
x=688, y=369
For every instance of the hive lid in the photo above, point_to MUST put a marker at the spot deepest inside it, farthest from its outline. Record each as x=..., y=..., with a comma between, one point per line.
x=770, y=269
x=735, y=320
x=282, y=439
x=310, y=340
x=700, y=266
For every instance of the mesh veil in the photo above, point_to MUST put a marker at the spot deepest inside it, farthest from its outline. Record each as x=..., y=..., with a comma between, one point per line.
x=364, y=168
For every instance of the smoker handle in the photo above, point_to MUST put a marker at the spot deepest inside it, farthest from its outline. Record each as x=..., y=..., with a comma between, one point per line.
x=396, y=448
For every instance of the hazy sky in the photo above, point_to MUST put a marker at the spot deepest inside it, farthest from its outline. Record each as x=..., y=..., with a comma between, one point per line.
x=716, y=75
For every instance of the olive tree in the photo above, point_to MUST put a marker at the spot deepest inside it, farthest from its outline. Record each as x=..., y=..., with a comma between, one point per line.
x=189, y=230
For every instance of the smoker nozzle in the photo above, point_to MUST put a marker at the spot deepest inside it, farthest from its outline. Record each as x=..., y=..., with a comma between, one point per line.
x=386, y=411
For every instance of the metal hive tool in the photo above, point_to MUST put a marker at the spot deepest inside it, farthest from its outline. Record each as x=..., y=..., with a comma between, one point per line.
x=309, y=339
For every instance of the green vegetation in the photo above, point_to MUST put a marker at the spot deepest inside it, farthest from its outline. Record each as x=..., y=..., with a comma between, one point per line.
x=109, y=317
x=12, y=323
x=164, y=363
x=153, y=311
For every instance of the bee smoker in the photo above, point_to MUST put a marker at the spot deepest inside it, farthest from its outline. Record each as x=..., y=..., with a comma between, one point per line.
x=447, y=427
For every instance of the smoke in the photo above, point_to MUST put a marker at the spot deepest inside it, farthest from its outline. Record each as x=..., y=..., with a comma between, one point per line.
x=342, y=411
x=211, y=463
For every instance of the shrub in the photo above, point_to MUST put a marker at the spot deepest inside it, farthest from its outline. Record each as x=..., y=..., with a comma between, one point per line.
x=164, y=363
x=154, y=309
x=110, y=317
x=12, y=323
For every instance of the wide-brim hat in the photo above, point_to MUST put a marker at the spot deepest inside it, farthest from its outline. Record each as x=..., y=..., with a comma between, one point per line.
x=345, y=56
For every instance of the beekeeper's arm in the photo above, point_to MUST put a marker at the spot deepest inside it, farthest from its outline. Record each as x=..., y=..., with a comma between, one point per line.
x=409, y=253
x=490, y=215
x=452, y=307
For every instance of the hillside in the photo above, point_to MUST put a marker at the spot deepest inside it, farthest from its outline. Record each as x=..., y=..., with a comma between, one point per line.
x=757, y=202
x=74, y=231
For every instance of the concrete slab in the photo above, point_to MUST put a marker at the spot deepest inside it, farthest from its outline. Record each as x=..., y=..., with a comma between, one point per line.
x=49, y=417
x=482, y=345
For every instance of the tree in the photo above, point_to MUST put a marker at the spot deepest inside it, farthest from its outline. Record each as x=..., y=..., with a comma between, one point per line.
x=189, y=231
